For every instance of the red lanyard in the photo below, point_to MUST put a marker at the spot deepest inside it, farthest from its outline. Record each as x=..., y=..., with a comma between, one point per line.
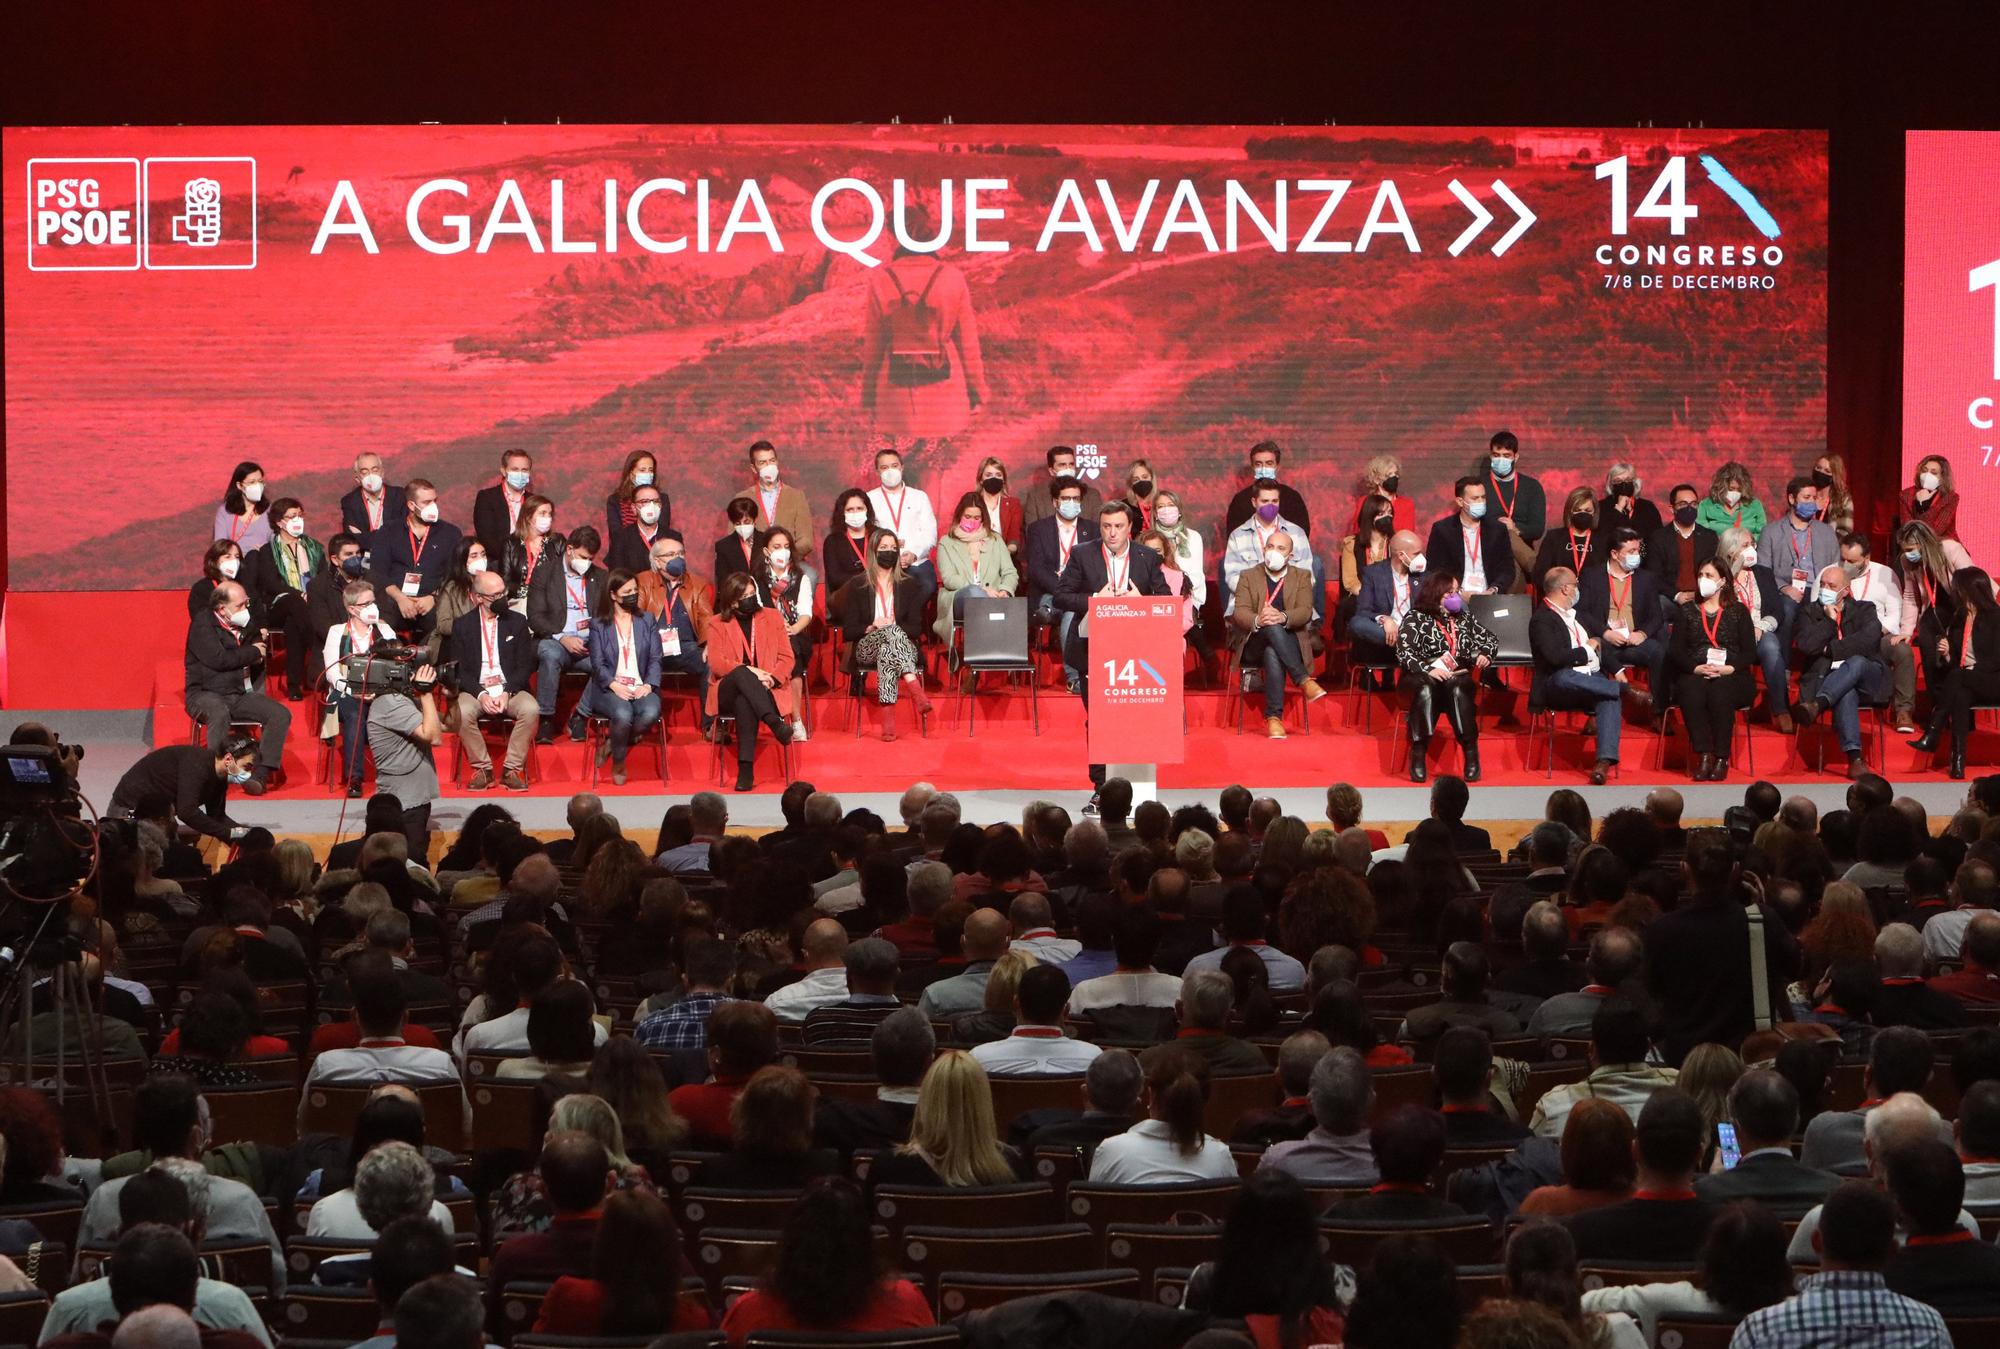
x=1939, y=1239
x=1928, y=585
x=896, y=510
x=416, y=548
x=1506, y=498
x=236, y=527
x=1577, y=553
x=769, y=501
x=1064, y=545
x=1116, y=571
x=1272, y=589
x=626, y=650
x=1712, y=625
x=579, y=590
x=860, y=557
x=1858, y=587
x=1965, y=642
x=1473, y=542
x=1618, y=600
x=1837, y=633
x=489, y=639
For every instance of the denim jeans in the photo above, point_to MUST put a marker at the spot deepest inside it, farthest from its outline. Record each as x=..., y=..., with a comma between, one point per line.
x=1858, y=677
x=1574, y=687
x=351, y=712
x=1065, y=620
x=1278, y=649
x=554, y=661
x=629, y=718
x=1650, y=655
x=1777, y=681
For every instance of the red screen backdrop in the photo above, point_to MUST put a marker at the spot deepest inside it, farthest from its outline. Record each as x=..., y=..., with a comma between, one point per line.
x=178, y=299
x=1951, y=319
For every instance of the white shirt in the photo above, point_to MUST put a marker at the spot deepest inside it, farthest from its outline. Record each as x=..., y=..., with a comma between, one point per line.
x=1125, y=988
x=798, y=588
x=1033, y=1050
x=338, y=1217
x=1191, y=566
x=1877, y=585
x=911, y=520
x=1576, y=637
x=1044, y=945
x=506, y=1034
x=1945, y=934
x=1474, y=579
x=1404, y=587
x=1145, y=1155
x=821, y=988
x=384, y=1060
x=330, y=651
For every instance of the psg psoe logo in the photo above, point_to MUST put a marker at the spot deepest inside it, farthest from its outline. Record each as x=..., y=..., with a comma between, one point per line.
x=163, y=214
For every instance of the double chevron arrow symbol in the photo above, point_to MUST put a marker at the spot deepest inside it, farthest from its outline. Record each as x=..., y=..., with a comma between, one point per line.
x=1481, y=217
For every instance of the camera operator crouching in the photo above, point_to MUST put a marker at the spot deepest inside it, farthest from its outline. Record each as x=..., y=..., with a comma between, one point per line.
x=196, y=778
x=403, y=726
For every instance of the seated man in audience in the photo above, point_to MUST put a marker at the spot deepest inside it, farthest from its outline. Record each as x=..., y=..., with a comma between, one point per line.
x=1765, y=1107
x=901, y=1048
x=1977, y=1134
x=1338, y=1151
x=1618, y=604
x=496, y=663
x=1037, y=1045
x=580, y=810
x=1407, y=1146
x=1850, y=1303
x=388, y=931
x=1244, y=547
x=1547, y=972
x=1663, y=807
x=442, y=1312
x=1976, y=983
x=1618, y=1070
x=1664, y=1220
x=1292, y=1117
x=561, y=601
x=394, y=1180
x=1901, y=996
x=1111, y=1088
x=577, y=1174
x=742, y=1037
x=156, y=1196
x=1837, y=646
x=1940, y=1264
x=871, y=965
x=1472, y=544
x=1095, y=914
x=825, y=983
x=1903, y=1119
x=1134, y=995
x=1449, y=798
x=383, y=1053
x=1462, y=984
x=1028, y=914
x=708, y=967
x=1207, y=997
x=155, y=1284
x=708, y=812
x=1272, y=616
x=1615, y=958
x=538, y=964
x=408, y=1251
x=170, y=1119
x=1068, y=520
x=411, y=557
x=1569, y=666
x=1462, y=1063
x=1388, y=588
x=984, y=941
x=1899, y=1060
x=1975, y=890
x=1243, y=924
x=530, y=879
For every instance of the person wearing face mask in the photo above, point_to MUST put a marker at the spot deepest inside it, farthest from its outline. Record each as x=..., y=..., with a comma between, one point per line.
x=641, y=469
x=971, y=560
x=411, y=558
x=1472, y=544
x=1836, y=503
x=1869, y=582
x=1577, y=543
x=560, y=604
x=1677, y=549
x=1757, y=591
x=326, y=603
x=1111, y=567
x=455, y=598
x=1523, y=506
x=1244, y=550
x=749, y=671
x=1178, y=583
x=1618, y=604
x=1930, y=498
x=1049, y=543
x=1713, y=647
x=845, y=554
x=783, y=586
x=1797, y=548
x=223, y=681
x=495, y=651
x=779, y=504
x=906, y=512
x=1271, y=625
x=196, y=778
x=534, y=544
x=1621, y=503
x=1731, y=503
x=278, y=574
x=625, y=672
x=372, y=502
x=222, y=562
x=242, y=518
x=359, y=629
x=682, y=603
x=497, y=509
x=1969, y=655
x=881, y=616
x=632, y=546
x=1183, y=553
x=1388, y=592
x=1267, y=458
x=1039, y=500
x=1003, y=508
x=1569, y=672
x=1838, y=645
x=1139, y=487
x=1925, y=565
x=739, y=549
x=1443, y=650
x=1383, y=475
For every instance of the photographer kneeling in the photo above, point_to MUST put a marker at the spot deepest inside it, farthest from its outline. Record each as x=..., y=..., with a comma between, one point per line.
x=196, y=778
x=403, y=726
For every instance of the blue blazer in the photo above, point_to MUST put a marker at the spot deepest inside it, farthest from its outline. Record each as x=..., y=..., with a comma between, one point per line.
x=1378, y=590
x=604, y=650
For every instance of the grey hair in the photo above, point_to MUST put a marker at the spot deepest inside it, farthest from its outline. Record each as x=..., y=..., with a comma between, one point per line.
x=1729, y=546
x=708, y=809
x=393, y=1181
x=927, y=886
x=1086, y=844
x=1321, y=849
x=823, y=810
x=915, y=797
x=1194, y=853
x=871, y=958
x=364, y=901
x=1621, y=467
x=581, y=1112
x=1206, y=997
x=388, y=929
x=1112, y=1081
x=191, y=1174
x=159, y=1326
x=1341, y=1091
x=902, y=1046
x=1899, y=951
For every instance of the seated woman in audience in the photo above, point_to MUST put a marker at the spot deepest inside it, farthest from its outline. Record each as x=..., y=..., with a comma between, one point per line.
x=826, y=1275
x=1741, y=1269
x=280, y=571
x=641, y=470
x=1407, y=1298
x=953, y=1141
x=1803, y=1064
x=1375, y=525
x=1252, y=1011
x=1970, y=654
x=1842, y=930
x=995, y=1019
x=629, y=1080
x=1578, y=544
x=882, y=617
x=1714, y=642
x=561, y=1035
x=1597, y=1163
x=1541, y=1269
x=215, y=1031
x=1341, y=1015
x=628, y=1292
x=454, y=598
x=749, y=670
x=1707, y=1074
x=222, y=562
x=31, y=1143
x=972, y=559
x=392, y=1180
x=624, y=669
x=771, y=1130
x=522, y=1204
x=243, y=517
x=533, y=545
x=606, y=892
x=1169, y=1144
x=1931, y=499
x=1183, y=555
x=1730, y=503
x=1268, y=1271
x=784, y=586
x=392, y=1114
x=645, y=948
x=844, y=555
x=1443, y=650
x=1004, y=513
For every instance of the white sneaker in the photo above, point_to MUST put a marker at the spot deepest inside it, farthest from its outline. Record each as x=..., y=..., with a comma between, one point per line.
x=798, y=730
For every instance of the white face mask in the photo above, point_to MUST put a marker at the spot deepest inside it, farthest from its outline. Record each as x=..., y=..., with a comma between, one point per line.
x=649, y=513
x=229, y=566
x=745, y=530
x=1276, y=558
x=1732, y=496
x=428, y=514
x=856, y=519
x=1629, y=561
x=1749, y=558
x=767, y=474
x=780, y=557
x=643, y=478
x=544, y=523
x=474, y=565
x=253, y=491
x=1928, y=481
x=1167, y=516
x=892, y=478
x=371, y=613
x=1707, y=585
x=579, y=565
x=241, y=618
x=371, y=483
x=296, y=527
x=1418, y=563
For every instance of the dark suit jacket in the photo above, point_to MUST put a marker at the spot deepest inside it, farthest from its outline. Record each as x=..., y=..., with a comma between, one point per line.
x=1916, y=1004
x=325, y=609
x=389, y=547
x=1663, y=555
x=1041, y=552
x=490, y=520
x=1645, y=516
x=1643, y=1229
x=604, y=650
x=540, y=1257
x=1549, y=643
x=1818, y=644
x=548, y=603
x=1445, y=549
x=729, y=557
x=1698, y=971
x=1085, y=576
x=849, y=1127
x=1066, y=1129
x=1778, y=1181
x=1378, y=590
x=632, y=551
x=517, y=651
x=217, y=656
x=1593, y=602
x=354, y=516
x=1469, y=838
x=857, y=608
x=1181, y=940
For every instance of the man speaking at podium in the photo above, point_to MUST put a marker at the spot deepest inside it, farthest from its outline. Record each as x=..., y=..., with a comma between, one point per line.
x=1112, y=568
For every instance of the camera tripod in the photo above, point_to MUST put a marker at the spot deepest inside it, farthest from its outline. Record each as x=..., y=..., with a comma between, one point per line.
x=68, y=1000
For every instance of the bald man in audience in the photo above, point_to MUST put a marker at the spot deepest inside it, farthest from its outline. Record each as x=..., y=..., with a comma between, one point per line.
x=984, y=942
x=1663, y=808
x=825, y=981
x=1976, y=982
x=1031, y=919
x=1904, y=1118
x=1799, y=815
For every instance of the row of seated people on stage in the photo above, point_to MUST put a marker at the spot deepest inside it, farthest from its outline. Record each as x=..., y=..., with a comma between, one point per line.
x=1150, y=954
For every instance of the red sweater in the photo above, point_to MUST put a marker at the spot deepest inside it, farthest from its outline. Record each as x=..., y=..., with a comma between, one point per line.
x=575, y=1306
x=897, y=1305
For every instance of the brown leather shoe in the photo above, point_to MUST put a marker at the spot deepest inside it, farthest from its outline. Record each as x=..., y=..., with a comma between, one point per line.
x=512, y=780
x=1599, y=771
x=1274, y=728
x=1857, y=767
x=1783, y=721
x=1312, y=690
x=482, y=778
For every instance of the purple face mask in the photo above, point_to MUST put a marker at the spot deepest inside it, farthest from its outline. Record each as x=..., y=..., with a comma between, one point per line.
x=1454, y=602
x=1267, y=512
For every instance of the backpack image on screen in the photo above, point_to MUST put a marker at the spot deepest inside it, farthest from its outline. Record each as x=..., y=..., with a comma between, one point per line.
x=917, y=354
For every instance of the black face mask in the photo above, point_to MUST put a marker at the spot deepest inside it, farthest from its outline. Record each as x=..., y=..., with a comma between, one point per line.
x=1392, y=483
x=747, y=605
x=1684, y=515
x=356, y=566
x=1624, y=489
x=886, y=561
x=1143, y=487
x=1822, y=479
x=1581, y=520
x=993, y=485
x=629, y=603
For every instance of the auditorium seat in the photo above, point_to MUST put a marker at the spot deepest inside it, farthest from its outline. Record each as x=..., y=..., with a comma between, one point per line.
x=342, y=1315
x=1101, y=1205
x=1468, y=1241
x=1680, y=1331
x=1622, y=1273
x=755, y=1210
x=962, y=1291
x=506, y=1116
x=926, y=1251
x=265, y=1113
x=21, y=1316
x=1149, y=1247
x=1033, y=1204
x=922, y=1337
x=333, y=1110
